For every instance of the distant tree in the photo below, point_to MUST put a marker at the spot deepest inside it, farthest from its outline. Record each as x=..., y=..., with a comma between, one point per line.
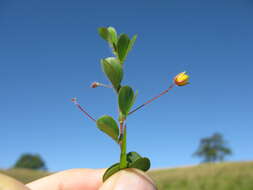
x=213, y=148
x=30, y=161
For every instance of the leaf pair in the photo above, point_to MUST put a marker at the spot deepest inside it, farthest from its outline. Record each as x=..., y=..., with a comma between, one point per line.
x=121, y=45
x=126, y=100
x=124, y=45
x=134, y=161
x=109, y=34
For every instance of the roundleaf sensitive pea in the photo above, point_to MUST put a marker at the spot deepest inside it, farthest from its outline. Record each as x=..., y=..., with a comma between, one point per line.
x=116, y=129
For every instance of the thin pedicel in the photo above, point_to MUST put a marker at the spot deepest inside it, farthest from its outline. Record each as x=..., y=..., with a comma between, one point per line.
x=74, y=100
x=151, y=100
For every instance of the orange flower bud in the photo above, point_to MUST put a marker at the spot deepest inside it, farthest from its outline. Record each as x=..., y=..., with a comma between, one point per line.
x=74, y=100
x=94, y=85
x=181, y=79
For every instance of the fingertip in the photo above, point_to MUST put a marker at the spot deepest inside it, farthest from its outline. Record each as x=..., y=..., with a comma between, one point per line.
x=8, y=183
x=77, y=179
x=129, y=179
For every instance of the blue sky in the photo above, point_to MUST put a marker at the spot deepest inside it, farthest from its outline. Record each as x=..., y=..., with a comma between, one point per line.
x=50, y=52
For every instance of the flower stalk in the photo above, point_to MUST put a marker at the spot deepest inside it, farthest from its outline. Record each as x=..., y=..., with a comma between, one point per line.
x=74, y=100
x=152, y=99
x=97, y=84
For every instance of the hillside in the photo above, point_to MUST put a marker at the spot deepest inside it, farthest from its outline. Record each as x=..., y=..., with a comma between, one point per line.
x=24, y=175
x=222, y=176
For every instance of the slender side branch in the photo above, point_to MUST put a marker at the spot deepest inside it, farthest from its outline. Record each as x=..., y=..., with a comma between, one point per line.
x=80, y=107
x=151, y=100
x=97, y=84
x=106, y=85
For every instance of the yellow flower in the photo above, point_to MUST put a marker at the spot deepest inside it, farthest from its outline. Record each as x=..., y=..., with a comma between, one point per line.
x=181, y=79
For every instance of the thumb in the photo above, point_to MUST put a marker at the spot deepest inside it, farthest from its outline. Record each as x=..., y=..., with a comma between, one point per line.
x=128, y=179
x=8, y=183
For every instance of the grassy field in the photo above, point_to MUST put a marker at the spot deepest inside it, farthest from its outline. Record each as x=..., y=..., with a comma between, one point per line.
x=24, y=175
x=222, y=176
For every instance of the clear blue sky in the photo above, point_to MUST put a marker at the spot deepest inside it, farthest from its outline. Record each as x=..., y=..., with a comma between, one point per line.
x=50, y=52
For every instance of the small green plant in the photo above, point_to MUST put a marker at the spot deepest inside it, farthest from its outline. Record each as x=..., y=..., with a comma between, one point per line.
x=113, y=67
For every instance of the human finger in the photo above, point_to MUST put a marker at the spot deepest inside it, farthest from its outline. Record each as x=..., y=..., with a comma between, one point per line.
x=7, y=183
x=75, y=179
x=129, y=179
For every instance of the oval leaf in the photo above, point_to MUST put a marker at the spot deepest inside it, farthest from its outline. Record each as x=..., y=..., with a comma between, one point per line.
x=141, y=163
x=103, y=32
x=132, y=157
x=135, y=96
x=131, y=43
x=109, y=126
x=110, y=171
x=126, y=98
x=113, y=34
x=122, y=47
x=113, y=70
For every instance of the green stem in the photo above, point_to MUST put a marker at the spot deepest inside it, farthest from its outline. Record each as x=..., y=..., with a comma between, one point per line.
x=123, y=158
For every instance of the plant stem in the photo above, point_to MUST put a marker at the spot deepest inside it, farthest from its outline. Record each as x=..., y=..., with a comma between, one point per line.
x=151, y=100
x=105, y=85
x=121, y=128
x=123, y=159
x=82, y=109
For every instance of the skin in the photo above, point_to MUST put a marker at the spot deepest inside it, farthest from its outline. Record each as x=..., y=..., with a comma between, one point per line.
x=8, y=183
x=88, y=179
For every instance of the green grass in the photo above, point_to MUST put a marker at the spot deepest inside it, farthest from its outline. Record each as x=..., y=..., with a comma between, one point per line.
x=24, y=175
x=222, y=176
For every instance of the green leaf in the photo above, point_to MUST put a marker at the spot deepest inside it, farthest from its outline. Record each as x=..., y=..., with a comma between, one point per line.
x=136, y=161
x=114, y=49
x=132, y=43
x=125, y=99
x=104, y=33
x=110, y=171
x=141, y=163
x=135, y=96
x=113, y=35
x=113, y=70
x=122, y=47
x=109, y=126
x=132, y=157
